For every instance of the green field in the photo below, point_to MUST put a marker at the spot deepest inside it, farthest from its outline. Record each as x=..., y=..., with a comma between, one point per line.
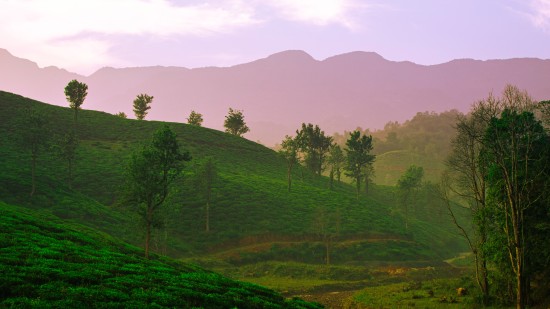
x=254, y=219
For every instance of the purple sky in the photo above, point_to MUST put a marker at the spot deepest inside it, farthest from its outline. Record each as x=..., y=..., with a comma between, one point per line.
x=85, y=35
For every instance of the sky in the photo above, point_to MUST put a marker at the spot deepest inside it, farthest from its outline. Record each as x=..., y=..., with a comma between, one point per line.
x=83, y=36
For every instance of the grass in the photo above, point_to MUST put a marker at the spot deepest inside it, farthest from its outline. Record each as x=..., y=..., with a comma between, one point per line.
x=46, y=262
x=437, y=293
x=250, y=200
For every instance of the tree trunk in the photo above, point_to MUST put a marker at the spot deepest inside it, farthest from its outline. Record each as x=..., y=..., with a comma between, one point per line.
x=358, y=186
x=207, y=216
x=483, y=272
x=406, y=216
x=327, y=244
x=520, y=286
x=70, y=174
x=331, y=178
x=33, y=169
x=148, y=231
x=289, y=176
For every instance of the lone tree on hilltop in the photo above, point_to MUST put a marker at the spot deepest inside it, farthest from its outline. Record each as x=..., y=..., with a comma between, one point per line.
x=234, y=123
x=141, y=105
x=76, y=93
x=150, y=172
x=195, y=119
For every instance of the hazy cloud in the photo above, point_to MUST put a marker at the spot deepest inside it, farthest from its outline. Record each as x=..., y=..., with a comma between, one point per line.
x=541, y=13
x=83, y=31
x=79, y=34
x=318, y=12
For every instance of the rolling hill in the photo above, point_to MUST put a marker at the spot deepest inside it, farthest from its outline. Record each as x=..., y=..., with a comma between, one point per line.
x=251, y=204
x=48, y=263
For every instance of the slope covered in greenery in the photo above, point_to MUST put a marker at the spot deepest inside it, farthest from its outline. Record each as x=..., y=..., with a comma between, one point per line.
x=46, y=262
x=250, y=201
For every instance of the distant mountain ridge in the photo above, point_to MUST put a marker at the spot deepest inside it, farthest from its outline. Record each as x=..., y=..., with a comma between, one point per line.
x=281, y=91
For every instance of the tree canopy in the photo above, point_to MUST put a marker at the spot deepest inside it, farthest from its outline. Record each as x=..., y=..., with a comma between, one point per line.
x=234, y=123
x=195, y=119
x=289, y=151
x=76, y=93
x=150, y=172
x=358, y=154
x=142, y=105
x=314, y=145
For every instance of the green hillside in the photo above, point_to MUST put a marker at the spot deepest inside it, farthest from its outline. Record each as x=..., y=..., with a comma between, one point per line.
x=48, y=263
x=251, y=204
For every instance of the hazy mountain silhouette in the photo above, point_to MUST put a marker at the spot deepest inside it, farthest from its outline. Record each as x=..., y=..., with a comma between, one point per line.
x=281, y=91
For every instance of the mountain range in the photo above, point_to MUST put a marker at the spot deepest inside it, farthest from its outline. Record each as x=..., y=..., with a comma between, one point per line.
x=281, y=91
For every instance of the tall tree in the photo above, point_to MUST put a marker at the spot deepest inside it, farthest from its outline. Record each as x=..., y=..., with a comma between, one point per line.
x=358, y=148
x=150, y=172
x=142, y=105
x=35, y=138
x=408, y=184
x=369, y=175
x=234, y=123
x=466, y=178
x=67, y=146
x=289, y=151
x=207, y=176
x=326, y=226
x=195, y=119
x=76, y=93
x=314, y=145
x=518, y=155
x=336, y=160
x=500, y=166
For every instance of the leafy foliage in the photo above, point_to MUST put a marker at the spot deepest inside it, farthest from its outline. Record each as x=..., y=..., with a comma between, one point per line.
x=47, y=263
x=314, y=145
x=358, y=156
x=141, y=105
x=408, y=186
x=195, y=119
x=121, y=115
x=501, y=165
x=76, y=93
x=150, y=173
x=234, y=123
x=289, y=151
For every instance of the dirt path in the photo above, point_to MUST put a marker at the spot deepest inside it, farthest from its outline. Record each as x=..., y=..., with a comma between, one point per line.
x=333, y=300
x=263, y=246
